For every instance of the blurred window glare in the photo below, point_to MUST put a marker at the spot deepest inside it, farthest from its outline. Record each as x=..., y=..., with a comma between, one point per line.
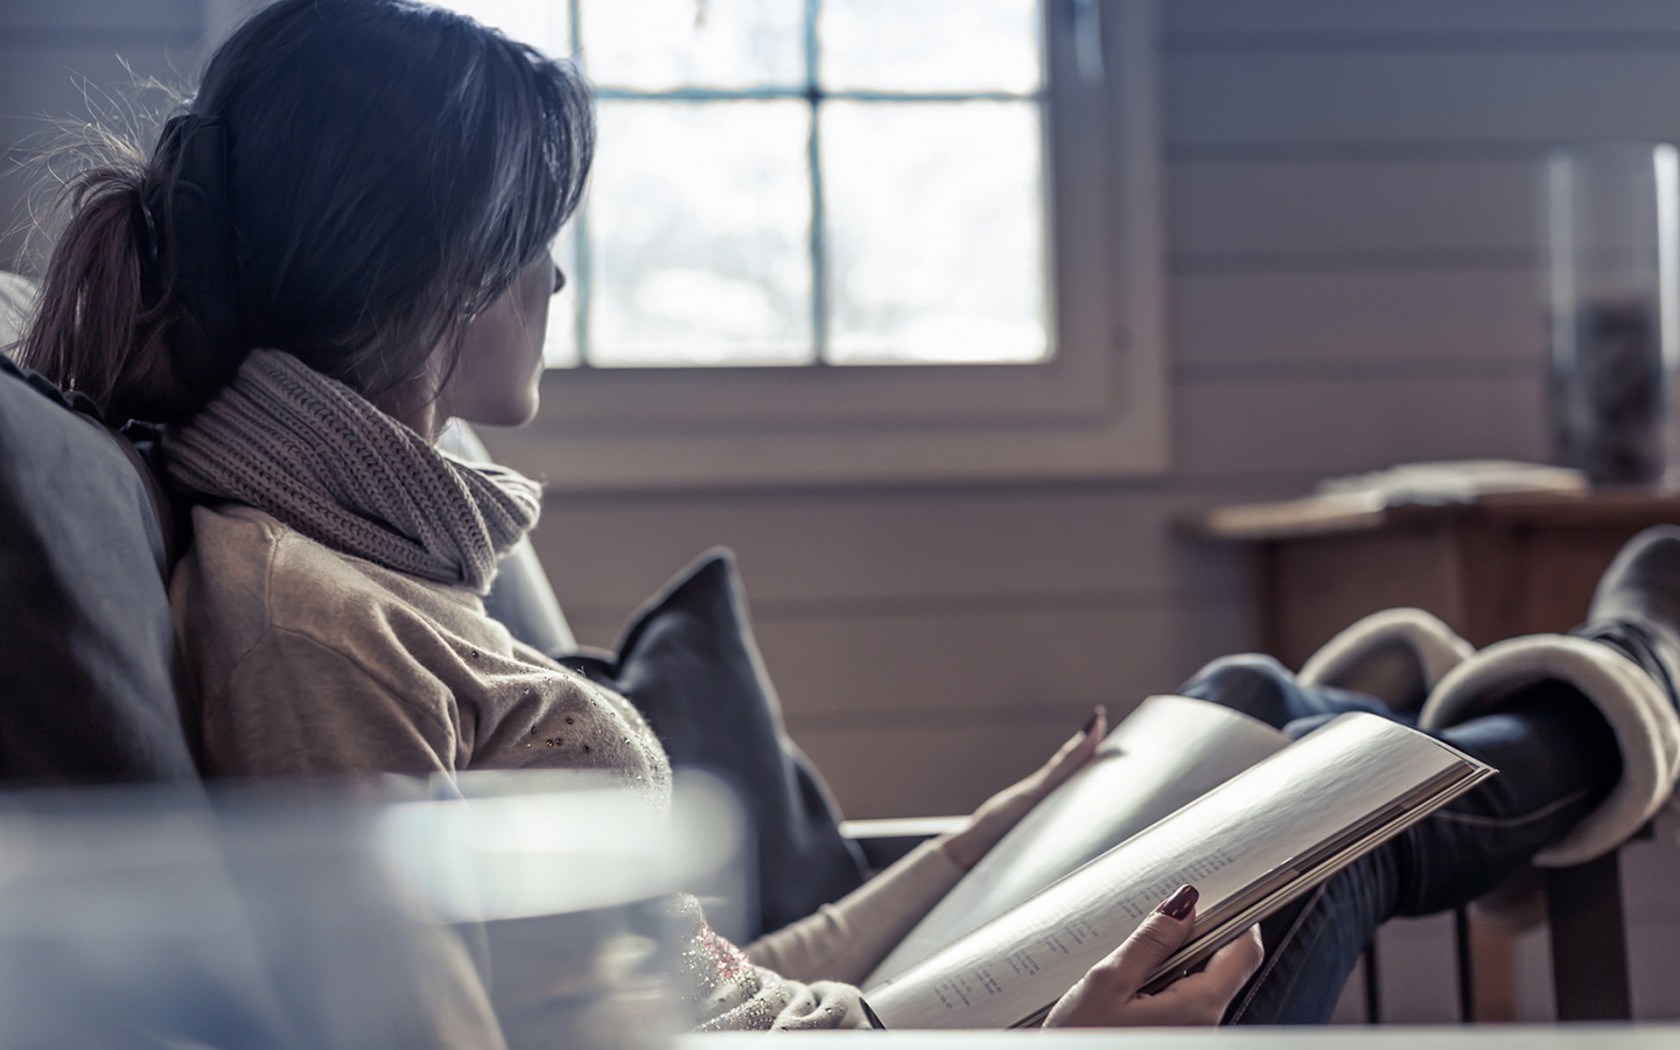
x=803, y=182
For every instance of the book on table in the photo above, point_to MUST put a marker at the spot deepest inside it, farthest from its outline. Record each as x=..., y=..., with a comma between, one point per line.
x=1182, y=791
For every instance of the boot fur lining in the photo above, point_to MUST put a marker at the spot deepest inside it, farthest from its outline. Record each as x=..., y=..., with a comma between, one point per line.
x=1430, y=643
x=1641, y=715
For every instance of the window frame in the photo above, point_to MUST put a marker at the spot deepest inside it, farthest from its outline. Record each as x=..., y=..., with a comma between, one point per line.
x=1097, y=408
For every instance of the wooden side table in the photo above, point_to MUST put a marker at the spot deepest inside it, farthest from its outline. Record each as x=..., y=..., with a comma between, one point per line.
x=1492, y=568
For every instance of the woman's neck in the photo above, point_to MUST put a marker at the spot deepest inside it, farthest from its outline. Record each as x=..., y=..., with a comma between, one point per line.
x=417, y=406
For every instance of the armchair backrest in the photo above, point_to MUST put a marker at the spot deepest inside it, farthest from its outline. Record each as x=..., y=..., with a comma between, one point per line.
x=89, y=671
x=90, y=675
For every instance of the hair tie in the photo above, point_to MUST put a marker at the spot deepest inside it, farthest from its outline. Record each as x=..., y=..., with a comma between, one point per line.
x=187, y=240
x=145, y=231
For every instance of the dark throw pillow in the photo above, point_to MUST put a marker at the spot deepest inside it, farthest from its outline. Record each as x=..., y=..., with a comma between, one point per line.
x=690, y=665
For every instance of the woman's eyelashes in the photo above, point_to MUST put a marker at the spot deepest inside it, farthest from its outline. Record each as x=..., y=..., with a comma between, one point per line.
x=559, y=280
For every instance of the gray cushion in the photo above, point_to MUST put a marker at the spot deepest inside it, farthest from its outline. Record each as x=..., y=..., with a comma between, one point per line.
x=88, y=664
x=690, y=665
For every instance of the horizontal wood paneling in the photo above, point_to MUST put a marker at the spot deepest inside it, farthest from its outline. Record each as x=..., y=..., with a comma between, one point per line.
x=1649, y=867
x=1476, y=19
x=1419, y=319
x=1291, y=212
x=47, y=89
x=76, y=16
x=1332, y=428
x=927, y=670
x=911, y=546
x=898, y=771
x=1468, y=97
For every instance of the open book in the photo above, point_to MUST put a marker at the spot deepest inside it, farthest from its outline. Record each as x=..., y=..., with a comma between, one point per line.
x=1266, y=820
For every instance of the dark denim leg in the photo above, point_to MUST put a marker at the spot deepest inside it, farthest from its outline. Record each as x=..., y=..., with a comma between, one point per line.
x=1262, y=688
x=1556, y=758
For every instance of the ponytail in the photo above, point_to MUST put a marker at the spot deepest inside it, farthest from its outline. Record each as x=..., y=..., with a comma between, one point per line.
x=123, y=308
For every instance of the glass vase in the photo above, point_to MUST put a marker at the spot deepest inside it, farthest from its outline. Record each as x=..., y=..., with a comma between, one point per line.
x=1609, y=251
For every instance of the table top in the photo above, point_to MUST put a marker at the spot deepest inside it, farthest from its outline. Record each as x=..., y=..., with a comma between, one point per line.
x=1357, y=512
x=1393, y=1037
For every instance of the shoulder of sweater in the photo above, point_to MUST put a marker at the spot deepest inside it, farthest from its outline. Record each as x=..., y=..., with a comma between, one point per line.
x=247, y=567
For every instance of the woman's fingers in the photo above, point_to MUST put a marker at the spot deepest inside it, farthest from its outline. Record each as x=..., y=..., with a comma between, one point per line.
x=1108, y=993
x=1003, y=810
x=1163, y=932
x=1203, y=997
x=1071, y=756
x=1232, y=966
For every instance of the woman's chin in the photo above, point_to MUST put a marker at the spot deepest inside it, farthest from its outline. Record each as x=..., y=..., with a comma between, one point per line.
x=516, y=413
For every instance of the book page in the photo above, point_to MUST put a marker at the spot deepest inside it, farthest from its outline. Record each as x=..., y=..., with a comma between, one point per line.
x=1167, y=752
x=1358, y=777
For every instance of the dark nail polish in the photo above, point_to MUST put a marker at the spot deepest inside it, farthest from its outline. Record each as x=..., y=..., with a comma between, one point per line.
x=1090, y=724
x=1179, y=904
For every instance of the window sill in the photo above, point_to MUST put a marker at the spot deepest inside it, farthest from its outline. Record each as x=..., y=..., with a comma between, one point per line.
x=1130, y=440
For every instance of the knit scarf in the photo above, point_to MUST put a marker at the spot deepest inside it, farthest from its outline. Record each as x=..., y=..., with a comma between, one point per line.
x=323, y=460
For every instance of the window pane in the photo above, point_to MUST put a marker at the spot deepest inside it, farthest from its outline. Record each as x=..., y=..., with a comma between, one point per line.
x=543, y=23
x=698, y=234
x=560, y=344
x=930, y=45
x=656, y=45
x=934, y=232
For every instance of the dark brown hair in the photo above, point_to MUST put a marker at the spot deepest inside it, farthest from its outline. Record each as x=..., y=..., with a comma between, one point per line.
x=390, y=168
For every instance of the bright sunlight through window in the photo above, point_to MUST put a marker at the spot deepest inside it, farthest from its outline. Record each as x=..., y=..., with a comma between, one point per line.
x=802, y=182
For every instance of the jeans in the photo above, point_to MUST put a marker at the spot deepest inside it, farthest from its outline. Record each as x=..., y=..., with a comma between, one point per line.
x=1556, y=756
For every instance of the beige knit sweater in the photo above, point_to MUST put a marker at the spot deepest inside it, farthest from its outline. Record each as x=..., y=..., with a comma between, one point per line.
x=330, y=613
x=306, y=660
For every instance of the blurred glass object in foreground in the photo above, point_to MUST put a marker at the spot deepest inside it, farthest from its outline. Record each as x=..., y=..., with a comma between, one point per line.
x=530, y=912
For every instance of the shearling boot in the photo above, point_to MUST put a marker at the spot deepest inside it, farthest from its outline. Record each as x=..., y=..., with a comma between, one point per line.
x=1397, y=656
x=1636, y=608
x=1625, y=661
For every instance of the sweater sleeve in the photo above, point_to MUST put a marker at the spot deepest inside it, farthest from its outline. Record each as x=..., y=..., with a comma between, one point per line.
x=845, y=940
x=292, y=705
x=729, y=993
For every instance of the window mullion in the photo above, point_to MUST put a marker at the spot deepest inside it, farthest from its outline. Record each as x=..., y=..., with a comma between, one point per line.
x=819, y=280
x=583, y=276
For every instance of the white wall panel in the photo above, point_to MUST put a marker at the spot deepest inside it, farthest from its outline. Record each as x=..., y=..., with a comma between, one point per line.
x=1485, y=21
x=916, y=770
x=915, y=548
x=60, y=19
x=1344, y=322
x=1468, y=96
x=1339, y=427
x=1246, y=215
x=47, y=82
x=927, y=670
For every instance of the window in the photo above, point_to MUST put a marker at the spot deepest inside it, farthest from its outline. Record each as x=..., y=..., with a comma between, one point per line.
x=794, y=182
x=926, y=249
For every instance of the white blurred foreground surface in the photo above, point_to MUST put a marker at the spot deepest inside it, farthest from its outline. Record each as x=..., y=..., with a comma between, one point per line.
x=1579, y=1037
x=351, y=916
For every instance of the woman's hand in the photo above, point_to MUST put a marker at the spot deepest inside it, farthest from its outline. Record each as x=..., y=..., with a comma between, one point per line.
x=1108, y=995
x=999, y=813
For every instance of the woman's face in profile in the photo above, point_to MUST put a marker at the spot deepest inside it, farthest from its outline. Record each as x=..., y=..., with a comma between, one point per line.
x=496, y=377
